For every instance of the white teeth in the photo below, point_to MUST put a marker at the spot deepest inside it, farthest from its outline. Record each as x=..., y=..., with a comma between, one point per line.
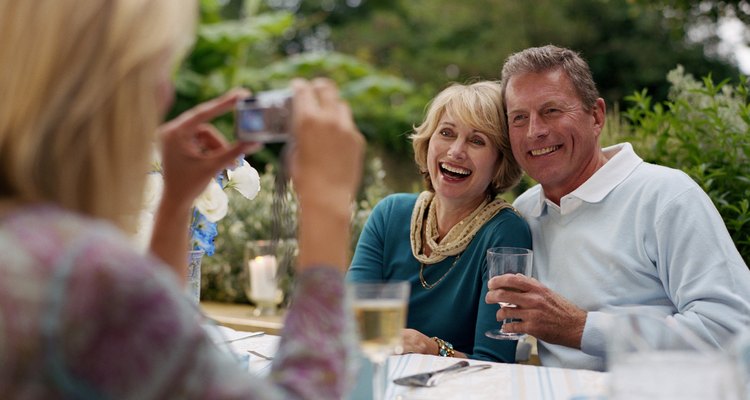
x=455, y=170
x=543, y=151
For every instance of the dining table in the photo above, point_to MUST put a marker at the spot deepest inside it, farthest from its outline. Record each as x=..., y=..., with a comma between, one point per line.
x=499, y=381
x=255, y=350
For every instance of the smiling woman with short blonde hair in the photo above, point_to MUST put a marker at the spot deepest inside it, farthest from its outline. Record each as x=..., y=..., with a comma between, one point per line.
x=475, y=105
x=437, y=239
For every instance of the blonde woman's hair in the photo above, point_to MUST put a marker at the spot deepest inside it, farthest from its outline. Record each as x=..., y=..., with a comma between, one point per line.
x=478, y=105
x=78, y=110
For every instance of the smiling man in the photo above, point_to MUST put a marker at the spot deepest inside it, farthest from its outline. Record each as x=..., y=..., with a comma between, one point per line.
x=611, y=233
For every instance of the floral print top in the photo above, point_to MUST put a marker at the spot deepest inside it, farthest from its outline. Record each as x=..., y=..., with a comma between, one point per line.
x=84, y=315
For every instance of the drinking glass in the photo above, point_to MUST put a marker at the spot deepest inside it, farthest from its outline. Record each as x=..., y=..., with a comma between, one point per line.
x=651, y=356
x=193, y=287
x=380, y=314
x=507, y=260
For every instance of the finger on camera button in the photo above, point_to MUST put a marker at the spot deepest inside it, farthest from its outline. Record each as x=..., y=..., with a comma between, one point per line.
x=328, y=94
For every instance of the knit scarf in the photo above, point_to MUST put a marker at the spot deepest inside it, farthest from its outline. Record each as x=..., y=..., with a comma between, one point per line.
x=457, y=238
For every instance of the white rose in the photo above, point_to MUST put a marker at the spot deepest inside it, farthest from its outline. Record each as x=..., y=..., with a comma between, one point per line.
x=245, y=180
x=213, y=202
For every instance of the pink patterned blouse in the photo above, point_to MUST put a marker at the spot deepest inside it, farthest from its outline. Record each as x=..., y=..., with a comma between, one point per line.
x=84, y=315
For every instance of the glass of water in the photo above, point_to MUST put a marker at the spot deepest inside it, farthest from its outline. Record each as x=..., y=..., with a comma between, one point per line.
x=507, y=260
x=650, y=355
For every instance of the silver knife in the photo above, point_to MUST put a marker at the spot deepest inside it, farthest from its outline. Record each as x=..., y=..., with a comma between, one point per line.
x=426, y=379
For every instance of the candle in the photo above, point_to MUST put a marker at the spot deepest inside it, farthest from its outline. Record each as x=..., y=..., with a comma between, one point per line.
x=263, y=278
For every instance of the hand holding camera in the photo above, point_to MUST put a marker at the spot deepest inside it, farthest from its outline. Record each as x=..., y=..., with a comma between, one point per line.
x=325, y=160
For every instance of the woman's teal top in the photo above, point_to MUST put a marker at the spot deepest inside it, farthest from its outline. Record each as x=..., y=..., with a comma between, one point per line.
x=454, y=309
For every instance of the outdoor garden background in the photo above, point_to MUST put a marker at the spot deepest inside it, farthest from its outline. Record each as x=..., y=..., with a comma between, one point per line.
x=670, y=82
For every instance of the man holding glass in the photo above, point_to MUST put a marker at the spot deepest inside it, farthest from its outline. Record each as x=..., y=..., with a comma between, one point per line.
x=611, y=232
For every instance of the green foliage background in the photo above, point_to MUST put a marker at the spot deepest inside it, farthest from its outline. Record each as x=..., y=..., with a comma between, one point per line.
x=629, y=44
x=389, y=57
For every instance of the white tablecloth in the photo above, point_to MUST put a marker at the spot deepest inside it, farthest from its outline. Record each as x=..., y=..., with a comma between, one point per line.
x=501, y=381
x=238, y=343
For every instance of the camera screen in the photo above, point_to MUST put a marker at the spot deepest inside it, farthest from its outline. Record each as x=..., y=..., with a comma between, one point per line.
x=264, y=117
x=251, y=120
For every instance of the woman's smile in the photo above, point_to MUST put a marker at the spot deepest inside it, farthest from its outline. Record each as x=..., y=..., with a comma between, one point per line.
x=454, y=172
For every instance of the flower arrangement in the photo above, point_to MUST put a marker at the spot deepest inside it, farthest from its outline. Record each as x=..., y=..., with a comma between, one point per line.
x=254, y=220
x=209, y=208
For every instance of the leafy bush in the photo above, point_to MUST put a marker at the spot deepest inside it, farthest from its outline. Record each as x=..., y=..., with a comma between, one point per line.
x=703, y=129
x=223, y=275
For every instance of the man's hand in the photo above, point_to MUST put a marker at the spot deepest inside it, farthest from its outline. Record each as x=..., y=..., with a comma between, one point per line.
x=544, y=314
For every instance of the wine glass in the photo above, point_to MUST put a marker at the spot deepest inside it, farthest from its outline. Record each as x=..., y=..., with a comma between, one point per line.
x=507, y=260
x=380, y=314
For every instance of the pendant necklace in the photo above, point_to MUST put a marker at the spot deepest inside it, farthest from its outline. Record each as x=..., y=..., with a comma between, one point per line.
x=429, y=286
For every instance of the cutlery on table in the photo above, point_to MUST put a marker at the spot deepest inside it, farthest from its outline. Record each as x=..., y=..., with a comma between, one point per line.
x=254, y=334
x=432, y=378
x=263, y=356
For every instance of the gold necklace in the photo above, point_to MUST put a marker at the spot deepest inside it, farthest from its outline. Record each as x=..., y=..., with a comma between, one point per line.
x=429, y=286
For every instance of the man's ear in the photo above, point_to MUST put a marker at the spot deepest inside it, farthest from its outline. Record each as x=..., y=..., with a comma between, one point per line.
x=599, y=114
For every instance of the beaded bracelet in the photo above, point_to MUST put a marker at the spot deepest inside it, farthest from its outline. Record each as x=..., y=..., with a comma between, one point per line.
x=445, y=349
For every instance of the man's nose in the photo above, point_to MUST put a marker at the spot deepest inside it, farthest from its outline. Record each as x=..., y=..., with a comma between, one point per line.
x=538, y=127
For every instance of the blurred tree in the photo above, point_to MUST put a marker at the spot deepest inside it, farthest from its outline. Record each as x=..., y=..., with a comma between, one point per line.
x=630, y=48
x=682, y=12
x=630, y=44
x=721, y=26
x=392, y=56
x=241, y=43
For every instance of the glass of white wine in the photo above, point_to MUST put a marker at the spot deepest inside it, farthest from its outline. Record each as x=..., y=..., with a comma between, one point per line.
x=380, y=314
x=507, y=260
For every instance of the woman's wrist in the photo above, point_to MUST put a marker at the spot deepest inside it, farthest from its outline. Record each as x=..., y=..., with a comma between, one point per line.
x=323, y=238
x=445, y=349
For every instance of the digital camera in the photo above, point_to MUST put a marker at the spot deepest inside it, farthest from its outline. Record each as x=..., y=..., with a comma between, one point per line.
x=264, y=117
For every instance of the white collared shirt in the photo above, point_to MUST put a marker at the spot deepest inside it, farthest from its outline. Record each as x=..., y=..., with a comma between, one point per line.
x=636, y=233
x=611, y=174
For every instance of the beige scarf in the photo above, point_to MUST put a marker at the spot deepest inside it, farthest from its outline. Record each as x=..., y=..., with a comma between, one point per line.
x=457, y=238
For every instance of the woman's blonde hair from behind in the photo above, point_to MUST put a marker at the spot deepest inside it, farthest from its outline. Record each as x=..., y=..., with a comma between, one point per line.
x=478, y=105
x=79, y=107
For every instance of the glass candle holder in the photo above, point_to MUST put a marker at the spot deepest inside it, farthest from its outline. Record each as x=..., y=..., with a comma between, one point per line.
x=266, y=263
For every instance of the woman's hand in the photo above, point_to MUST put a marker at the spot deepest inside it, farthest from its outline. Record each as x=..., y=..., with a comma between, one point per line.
x=326, y=167
x=193, y=152
x=416, y=342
